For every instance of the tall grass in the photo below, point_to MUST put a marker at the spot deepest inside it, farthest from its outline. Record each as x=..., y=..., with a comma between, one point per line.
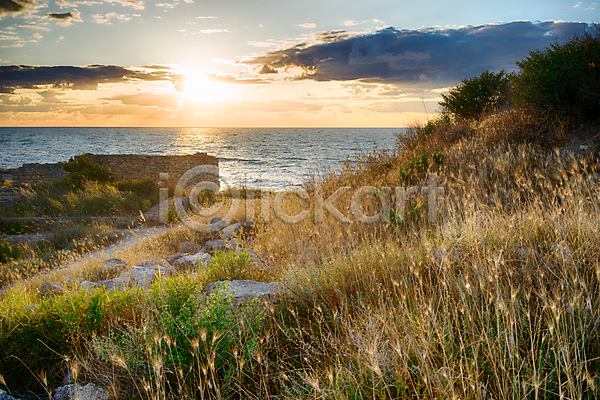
x=500, y=299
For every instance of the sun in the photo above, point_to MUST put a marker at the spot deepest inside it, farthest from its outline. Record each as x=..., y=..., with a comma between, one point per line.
x=199, y=88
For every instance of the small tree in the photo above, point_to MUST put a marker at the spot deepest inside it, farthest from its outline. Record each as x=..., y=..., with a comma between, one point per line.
x=477, y=95
x=562, y=80
x=82, y=168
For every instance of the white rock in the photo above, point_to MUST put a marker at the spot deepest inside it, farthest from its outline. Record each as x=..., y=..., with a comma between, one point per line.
x=88, y=285
x=114, y=263
x=51, y=289
x=196, y=261
x=80, y=392
x=231, y=231
x=244, y=291
x=144, y=277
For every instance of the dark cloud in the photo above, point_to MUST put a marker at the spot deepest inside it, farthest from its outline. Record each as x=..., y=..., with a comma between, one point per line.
x=15, y=6
x=65, y=18
x=425, y=57
x=60, y=16
x=69, y=77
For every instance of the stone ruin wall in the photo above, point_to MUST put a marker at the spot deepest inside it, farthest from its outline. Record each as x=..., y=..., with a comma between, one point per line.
x=125, y=166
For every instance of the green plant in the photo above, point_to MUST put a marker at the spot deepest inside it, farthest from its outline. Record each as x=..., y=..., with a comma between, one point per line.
x=227, y=265
x=9, y=251
x=143, y=187
x=476, y=96
x=562, y=80
x=82, y=168
x=419, y=165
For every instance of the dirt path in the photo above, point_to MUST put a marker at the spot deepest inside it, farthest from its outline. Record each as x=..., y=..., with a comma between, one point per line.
x=130, y=238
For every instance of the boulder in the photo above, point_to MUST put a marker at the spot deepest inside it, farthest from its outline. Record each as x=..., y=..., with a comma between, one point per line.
x=114, y=263
x=155, y=262
x=145, y=276
x=231, y=231
x=86, y=285
x=51, y=289
x=251, y=252
x=243, y=291
x=118, y=284
x=189, y=248
x=79, y=392
x=196, y=261
x=5, y=396
x=213, y=246
x=174, y=257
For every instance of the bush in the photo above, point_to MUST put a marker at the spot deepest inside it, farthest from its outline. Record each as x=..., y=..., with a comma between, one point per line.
x=82, y=168
x=563, y=79
x=477, y=95
x=144, y=187
x=8, y=251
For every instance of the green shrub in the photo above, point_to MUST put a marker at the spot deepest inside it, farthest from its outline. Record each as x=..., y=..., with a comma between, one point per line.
x=143, y=187
x=562, y=80
x=477, y=95
x=82, y=168
x=229, y=265
x=9, y=251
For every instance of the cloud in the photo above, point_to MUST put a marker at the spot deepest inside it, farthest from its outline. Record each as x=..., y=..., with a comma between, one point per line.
x=105, y=19
x=308, y=25
x=349, y=23
x=424, y=57
x=147, y=99
x=15, y=77
x=65, y=18
x=64, y=3
x=211, y=31
x=136, y=4
x=15, y=6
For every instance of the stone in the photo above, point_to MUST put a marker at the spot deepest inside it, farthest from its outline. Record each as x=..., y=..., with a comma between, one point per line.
x=79, y=392
x=114, y=263
x=243, y=291
x=144, y=277
x=86, y=285
x=51, y=289
x=196, y=261
x=118, y=284
x=189, y=248
x=174, y=257
x=213, y=246
x=231, y=231
x=249, y=251
x=160, y=262
x=5, y=396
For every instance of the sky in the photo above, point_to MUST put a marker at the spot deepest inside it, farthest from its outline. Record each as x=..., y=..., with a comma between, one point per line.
x=260, y=63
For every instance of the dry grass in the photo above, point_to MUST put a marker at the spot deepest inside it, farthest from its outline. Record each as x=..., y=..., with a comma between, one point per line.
x=500, y=299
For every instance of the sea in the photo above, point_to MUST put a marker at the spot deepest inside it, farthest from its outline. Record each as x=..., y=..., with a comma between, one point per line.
x=262, y=158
